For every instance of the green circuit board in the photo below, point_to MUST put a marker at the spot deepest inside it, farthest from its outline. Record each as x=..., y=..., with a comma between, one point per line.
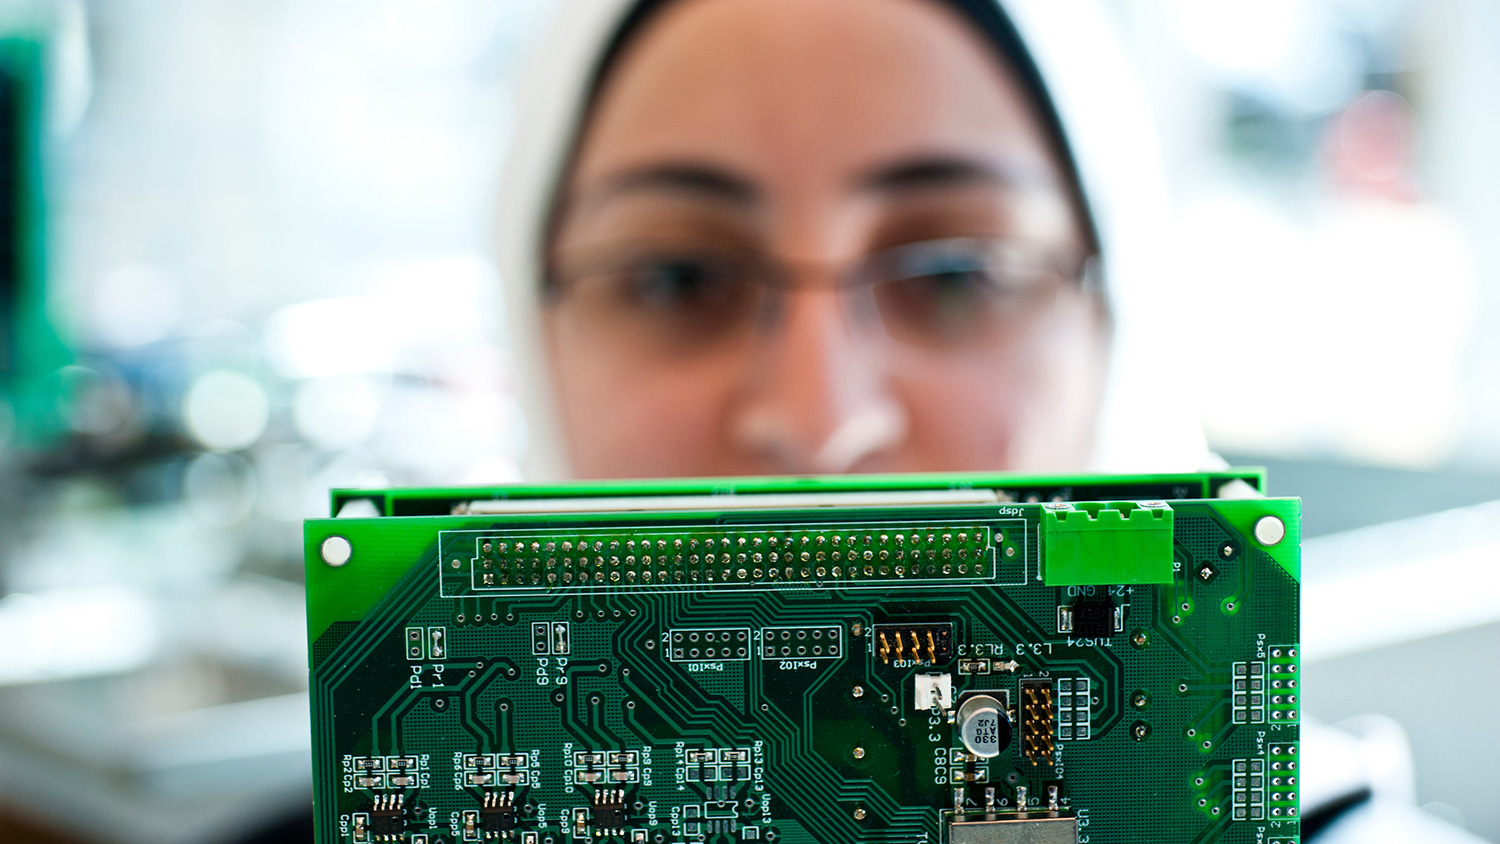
x=808, y=662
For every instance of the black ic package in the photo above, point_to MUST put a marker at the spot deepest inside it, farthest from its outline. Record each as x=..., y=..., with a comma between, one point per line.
x=609, y=809
x=1094, y=618
x=497, y=814
x=388, y=817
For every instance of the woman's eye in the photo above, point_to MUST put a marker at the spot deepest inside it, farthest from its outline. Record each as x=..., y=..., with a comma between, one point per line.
x=952, y=282
x=673, y=283
x=953, y=298
x=702, y=291
x=958, y=279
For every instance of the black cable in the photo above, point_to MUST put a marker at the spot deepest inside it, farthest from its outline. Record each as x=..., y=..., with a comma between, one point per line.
x=1324, y=816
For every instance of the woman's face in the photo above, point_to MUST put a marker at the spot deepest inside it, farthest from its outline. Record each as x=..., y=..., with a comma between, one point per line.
x=735, y=288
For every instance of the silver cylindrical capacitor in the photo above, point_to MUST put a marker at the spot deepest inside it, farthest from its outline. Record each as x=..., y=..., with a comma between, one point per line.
x=983, y=725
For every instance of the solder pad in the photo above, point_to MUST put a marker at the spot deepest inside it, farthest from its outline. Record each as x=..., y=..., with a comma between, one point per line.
x=792, y=675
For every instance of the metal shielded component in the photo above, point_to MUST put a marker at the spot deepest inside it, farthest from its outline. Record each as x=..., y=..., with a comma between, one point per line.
x=1015, y=831
x=984, y=726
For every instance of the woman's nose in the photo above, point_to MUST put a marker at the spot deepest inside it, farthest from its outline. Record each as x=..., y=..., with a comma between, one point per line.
x=815, y=399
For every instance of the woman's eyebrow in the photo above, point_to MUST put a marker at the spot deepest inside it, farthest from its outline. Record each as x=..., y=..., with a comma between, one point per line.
x=940, y=171
x=679, y=177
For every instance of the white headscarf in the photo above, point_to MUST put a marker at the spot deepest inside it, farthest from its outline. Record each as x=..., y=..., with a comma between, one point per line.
x=1149, y=419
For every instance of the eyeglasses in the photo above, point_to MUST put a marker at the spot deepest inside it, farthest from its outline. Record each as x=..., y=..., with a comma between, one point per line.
x=946, y=296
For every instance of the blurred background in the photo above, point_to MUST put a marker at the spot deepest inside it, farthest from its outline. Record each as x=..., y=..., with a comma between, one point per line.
x=245, y=257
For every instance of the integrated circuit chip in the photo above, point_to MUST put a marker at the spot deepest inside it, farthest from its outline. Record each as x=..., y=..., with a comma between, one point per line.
x=608, y=813
x=497, y=816
x=1093, y=617
x=388, y=817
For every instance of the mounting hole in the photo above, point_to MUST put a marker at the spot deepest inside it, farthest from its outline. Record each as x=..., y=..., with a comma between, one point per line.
x=1269, y=530
x=336, y=551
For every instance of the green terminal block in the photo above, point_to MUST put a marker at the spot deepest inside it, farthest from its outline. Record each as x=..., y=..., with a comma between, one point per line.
x=1096, y=544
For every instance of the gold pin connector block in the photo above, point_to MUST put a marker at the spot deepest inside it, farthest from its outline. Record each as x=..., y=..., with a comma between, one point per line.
x=914, y=644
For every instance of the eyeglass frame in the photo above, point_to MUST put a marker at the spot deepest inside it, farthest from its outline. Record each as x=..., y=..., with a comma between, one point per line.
x=1070, y=265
